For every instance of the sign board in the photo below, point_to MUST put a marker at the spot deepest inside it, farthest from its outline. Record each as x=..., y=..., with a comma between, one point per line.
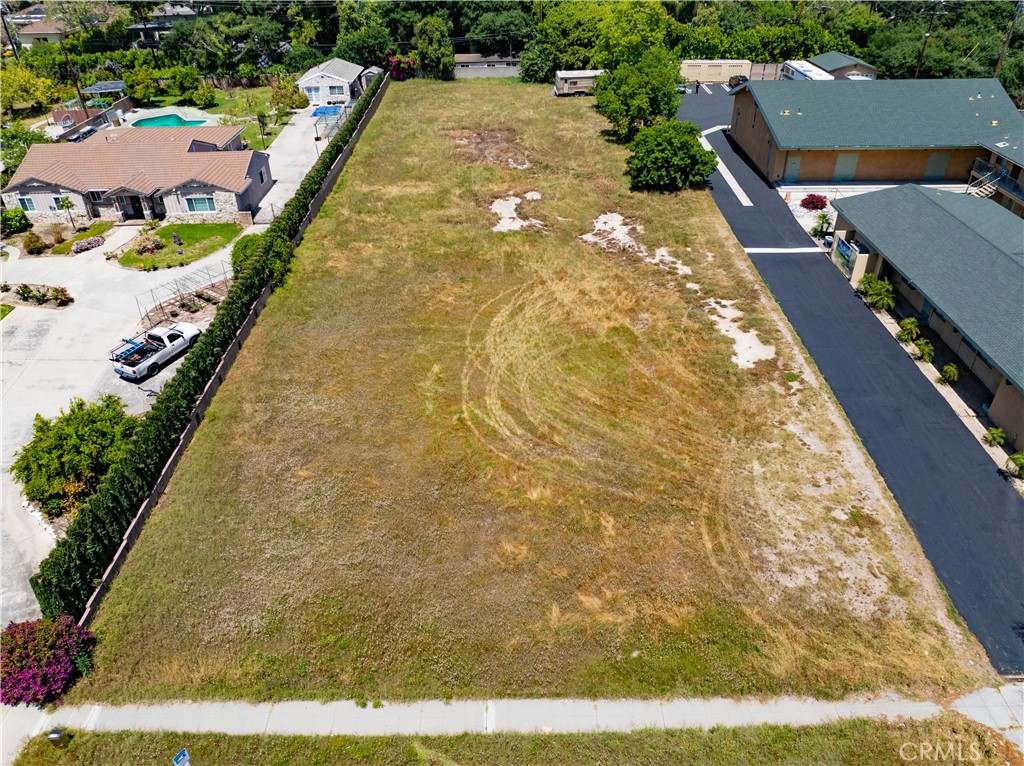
x=845, y=251
x=181, y=759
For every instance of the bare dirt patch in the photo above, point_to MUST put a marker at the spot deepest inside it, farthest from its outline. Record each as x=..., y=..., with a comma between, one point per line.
x=498, y=146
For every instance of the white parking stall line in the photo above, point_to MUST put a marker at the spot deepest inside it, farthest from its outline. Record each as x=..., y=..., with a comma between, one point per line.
x=726, y=173
x=724, y=87
x=762, y=250
x=705, y=87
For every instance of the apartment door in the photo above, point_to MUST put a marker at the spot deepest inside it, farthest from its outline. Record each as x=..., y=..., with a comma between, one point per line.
x=792, y=170
x=938, y=162
x=846, y=166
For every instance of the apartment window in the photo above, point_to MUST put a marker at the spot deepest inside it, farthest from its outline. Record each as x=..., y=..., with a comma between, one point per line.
x=27, y=204
x=201, y=205
x=95, y=196
x=263, y=177
x=336, y=90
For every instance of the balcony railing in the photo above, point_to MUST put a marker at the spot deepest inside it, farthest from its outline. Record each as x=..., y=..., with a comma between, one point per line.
x=1011, y=185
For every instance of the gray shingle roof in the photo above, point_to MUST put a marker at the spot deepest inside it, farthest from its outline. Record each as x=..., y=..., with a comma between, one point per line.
x=964, y=254
x=834, y=60
x=1009, y=144
x=877, y=114
x=336, y=67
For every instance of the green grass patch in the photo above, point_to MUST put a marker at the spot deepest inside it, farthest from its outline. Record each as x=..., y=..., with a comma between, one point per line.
x=100, y=227
x=452, y=462
x=852, y=743
x=5, y=309
x=197, y=241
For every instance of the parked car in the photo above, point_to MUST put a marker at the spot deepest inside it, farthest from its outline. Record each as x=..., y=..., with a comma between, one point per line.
x=145, y=354
x=737, y=79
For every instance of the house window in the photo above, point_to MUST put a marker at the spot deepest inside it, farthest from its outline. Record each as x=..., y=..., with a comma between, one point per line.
x=27, y=204
x=336, y=90
x=312, y=92
x=201, y=205
x=57, y=201
x=95, y=196
x=263, y=177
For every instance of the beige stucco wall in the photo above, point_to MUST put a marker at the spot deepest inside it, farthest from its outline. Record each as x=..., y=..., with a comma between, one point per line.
x=1007, y=412
x=750, y=131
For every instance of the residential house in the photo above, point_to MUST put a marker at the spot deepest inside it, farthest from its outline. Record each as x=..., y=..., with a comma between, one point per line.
x=184, y=175
x=335, y=81
x=841, y=131
x=957, y=262
x=844, y=67
x=148, y=33
x=476, y=65
x=44, y=31
x=26, y=16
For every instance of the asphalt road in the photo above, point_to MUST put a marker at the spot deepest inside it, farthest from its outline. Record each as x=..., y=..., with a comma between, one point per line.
x=969, y=520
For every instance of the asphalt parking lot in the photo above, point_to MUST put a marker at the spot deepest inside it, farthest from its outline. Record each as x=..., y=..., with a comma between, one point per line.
x=967, y=517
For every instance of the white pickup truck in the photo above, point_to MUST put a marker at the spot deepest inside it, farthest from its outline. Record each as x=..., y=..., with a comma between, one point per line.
x=144, y=355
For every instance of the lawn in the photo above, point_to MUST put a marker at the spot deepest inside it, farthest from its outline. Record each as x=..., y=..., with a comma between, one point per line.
x=5, y=309
x=198, y=240
x=852, y=743
x=100, y=227
x=233, y=103
x=453, y=462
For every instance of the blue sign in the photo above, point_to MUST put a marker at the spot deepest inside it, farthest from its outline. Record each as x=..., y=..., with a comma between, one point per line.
x=845, y=251
x=181, y=759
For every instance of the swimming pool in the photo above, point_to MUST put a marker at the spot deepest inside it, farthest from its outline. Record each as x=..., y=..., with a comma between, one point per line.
x=327, y=111
x=166, y=121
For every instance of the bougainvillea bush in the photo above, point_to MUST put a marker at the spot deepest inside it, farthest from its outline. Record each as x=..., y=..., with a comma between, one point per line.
x=87, y=244
x=402, y=67
x=42, y=658
x=814, y=202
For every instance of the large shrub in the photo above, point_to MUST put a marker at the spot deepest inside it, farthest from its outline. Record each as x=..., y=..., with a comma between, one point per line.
x=68, y=576
x=68, y=455
x=814, y=202
x=668, y=156
x=33, y=243
x=87, y=244
x=13, y=221
x=244, y=251
x=42, y=658
x=634, y=96
x=204, y=96
x=148, y=243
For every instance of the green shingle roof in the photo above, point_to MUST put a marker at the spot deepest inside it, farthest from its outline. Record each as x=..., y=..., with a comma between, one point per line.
x=834, y=60
x=1009, y=144
x=882, y=114
x=964, y=254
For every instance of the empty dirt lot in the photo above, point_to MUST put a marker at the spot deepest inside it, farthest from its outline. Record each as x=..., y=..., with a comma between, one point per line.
x=581, y=456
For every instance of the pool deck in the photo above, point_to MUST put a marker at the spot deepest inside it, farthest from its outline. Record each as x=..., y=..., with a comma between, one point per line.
x=185, y=112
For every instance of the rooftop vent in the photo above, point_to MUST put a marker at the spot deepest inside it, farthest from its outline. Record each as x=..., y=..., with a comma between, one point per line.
x=1003, y=144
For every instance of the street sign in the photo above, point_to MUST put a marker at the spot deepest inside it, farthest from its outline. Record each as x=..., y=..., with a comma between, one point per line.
x=181, y=759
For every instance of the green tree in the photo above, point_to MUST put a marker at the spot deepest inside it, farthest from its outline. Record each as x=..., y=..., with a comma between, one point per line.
x=630, y=31
x=433, y=45
x=570, y=33
x=367, y=46
x=15, y=140
x=142, y=84
x=302, y=57
x=286, y=96
x=535, y=64
x=183, y=81
x=204, y=96
x=668, y=156
x=635, y=95
x=21, y=86
x=65, y=204
x=69, y=454
x=504, y=32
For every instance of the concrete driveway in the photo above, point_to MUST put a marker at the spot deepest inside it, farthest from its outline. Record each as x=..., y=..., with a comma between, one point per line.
x=51, y=355
x=292, y=154
x=969, y=520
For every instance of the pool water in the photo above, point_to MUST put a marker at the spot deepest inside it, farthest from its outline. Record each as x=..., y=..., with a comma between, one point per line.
x=326, y=111
x=166, y=121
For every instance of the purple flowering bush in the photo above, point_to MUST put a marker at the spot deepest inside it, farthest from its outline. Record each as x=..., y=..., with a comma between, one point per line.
x=87, y=244
x=402, y=67
x=42, y=658
x=814, y=202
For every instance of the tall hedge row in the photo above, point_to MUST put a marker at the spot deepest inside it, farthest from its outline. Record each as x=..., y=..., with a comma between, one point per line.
x=68, y=576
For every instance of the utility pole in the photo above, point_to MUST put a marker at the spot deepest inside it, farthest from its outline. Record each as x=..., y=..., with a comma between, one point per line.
x=931, y=21
x=1009, y=34
x=14, y=42
x=74, y=73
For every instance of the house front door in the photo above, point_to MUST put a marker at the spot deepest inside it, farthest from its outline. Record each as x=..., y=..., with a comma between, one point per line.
x=133, y=207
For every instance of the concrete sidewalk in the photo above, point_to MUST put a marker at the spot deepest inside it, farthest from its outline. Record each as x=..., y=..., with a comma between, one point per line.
x=999, y=709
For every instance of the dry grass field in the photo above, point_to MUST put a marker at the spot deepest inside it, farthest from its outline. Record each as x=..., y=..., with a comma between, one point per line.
x=454, y=462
